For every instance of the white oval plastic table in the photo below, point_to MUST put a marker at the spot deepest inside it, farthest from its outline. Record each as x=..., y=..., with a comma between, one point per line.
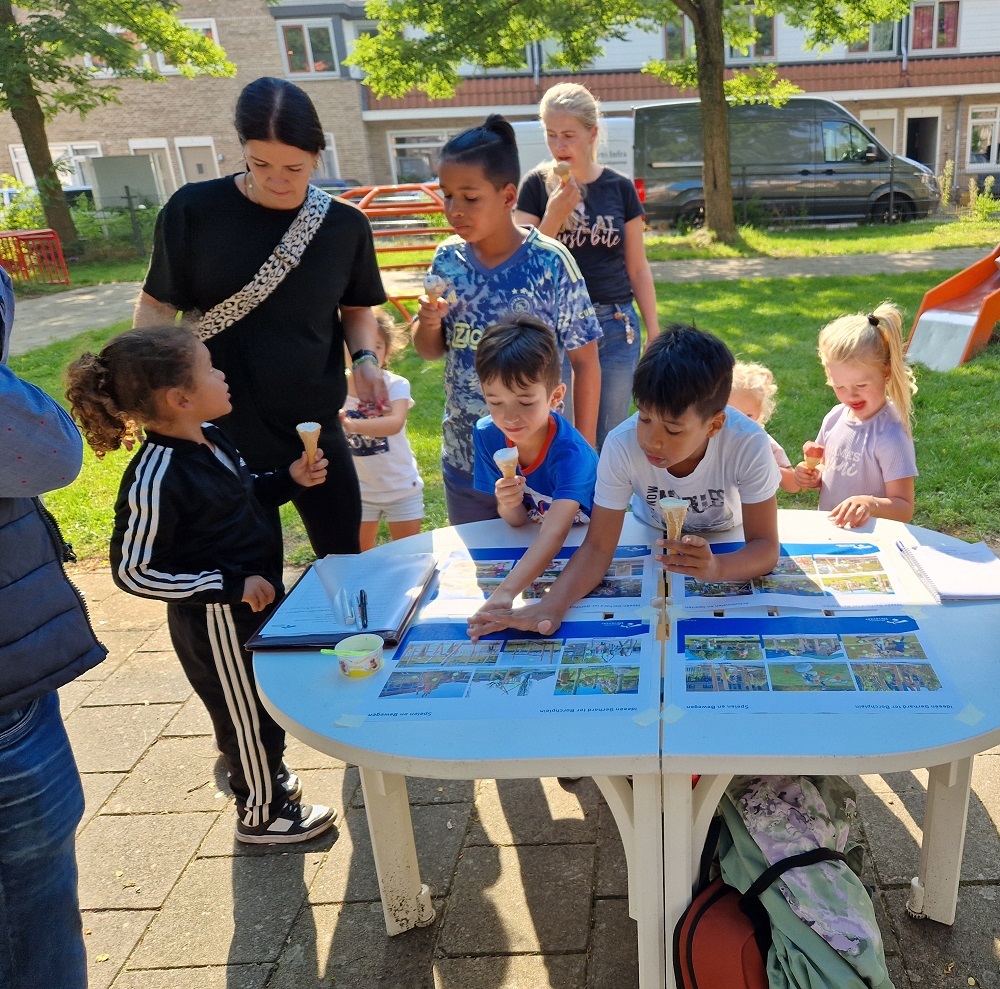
x=663, y=821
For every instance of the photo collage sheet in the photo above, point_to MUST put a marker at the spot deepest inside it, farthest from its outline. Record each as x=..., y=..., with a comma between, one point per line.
x=811, y=576
x=816, y=664
x=602, y=659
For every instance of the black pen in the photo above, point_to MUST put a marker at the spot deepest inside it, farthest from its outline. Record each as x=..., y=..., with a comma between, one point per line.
x=363, y=608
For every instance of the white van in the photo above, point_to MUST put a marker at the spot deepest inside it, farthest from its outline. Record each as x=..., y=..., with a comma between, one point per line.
x=613, y=150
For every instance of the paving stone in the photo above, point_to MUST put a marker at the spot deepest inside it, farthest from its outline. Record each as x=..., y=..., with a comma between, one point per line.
x=228, y=912
x=159, y=641
x=94, y=585
x=72, y=695
x=298, y=755
x=175, y=774
x=97, y=787
x=513, y=972
x=120, y=645
x=346, y=945
x=971, y=943
x=110, y=935
x=430, y=791
x=145, y=677
x=612, y=869
x=614, y=947
x=533, y=812
x=348, y=875
x=530, y=898
x=113, y=739
x=893, y=827
x=192, y=719
x=318, y=785
x=149, y=850
x=218, y=977
x=889, y=782
x=126, y=611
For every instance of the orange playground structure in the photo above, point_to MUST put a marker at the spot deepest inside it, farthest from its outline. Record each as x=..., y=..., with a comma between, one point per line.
x=956, y=319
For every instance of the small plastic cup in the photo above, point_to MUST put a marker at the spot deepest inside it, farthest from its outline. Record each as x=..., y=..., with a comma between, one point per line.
x=359, y=655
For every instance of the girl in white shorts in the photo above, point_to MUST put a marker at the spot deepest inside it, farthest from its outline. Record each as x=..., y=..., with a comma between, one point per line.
x=391, y=485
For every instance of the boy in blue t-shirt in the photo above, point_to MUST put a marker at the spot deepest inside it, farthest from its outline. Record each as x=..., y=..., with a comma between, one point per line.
x=518, y=366
x=494, y=269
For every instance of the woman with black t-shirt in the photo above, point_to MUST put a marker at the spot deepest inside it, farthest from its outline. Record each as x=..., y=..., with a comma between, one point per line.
x=596, y=213
x=284, y=360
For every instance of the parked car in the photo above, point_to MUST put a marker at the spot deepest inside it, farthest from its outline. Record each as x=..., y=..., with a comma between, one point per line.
x=808, y=159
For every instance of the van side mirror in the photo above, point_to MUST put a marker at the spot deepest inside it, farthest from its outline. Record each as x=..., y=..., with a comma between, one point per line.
x=871, y=153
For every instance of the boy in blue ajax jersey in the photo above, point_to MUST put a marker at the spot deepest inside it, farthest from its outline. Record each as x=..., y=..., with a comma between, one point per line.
x=494, y=270
x=518, y=366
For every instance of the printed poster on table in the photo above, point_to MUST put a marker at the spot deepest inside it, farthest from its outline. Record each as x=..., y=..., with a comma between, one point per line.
x=806, y=664
x=813, y=576
x=469, y=576
x=437, y=671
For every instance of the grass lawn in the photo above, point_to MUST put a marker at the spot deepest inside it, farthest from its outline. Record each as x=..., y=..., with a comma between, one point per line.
x=774, y=321
x=789, y=242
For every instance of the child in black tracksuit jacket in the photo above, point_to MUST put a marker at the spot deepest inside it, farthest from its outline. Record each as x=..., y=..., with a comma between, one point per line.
x=192, y=529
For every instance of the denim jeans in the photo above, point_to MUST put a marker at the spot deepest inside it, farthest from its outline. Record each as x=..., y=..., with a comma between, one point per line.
x=41, y=803
x=618, y=359
x=465, y=503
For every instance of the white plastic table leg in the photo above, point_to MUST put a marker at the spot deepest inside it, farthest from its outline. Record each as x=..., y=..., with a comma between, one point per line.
x=638, y=814
x=934, y=892
x=406, y=902
x=678, y=858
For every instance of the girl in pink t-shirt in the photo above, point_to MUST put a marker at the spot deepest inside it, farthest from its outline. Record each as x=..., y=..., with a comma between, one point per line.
x=867, y=461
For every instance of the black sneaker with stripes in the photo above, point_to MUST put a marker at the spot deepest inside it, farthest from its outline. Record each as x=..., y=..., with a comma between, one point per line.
x=295, y=822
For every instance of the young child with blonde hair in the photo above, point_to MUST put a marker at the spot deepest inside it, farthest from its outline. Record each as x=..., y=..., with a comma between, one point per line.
x=390, y=481
x=753, y=394
x=868, y=460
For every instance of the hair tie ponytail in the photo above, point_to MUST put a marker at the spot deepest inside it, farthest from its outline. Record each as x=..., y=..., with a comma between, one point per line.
x=873, y=320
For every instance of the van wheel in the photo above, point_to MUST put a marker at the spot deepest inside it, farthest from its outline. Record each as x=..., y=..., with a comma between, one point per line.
x=691, y=217
x=901, y=211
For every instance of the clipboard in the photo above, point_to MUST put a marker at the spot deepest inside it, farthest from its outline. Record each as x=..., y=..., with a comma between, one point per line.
x=313, y=613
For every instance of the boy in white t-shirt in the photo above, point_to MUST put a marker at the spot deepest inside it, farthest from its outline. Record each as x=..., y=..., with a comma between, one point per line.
x=390, y=482
x=682, y=443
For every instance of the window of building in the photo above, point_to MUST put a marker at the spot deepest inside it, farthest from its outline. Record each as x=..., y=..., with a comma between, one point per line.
x=100, y=68
x=984, y=126
x=352, y=31
x=763, y=45
x=414, y=154
x=935, y=25
x=329, y=166
x=71, y=161
x=679, y=38
x=307, y=47
x=203, y=25
x=881, y=40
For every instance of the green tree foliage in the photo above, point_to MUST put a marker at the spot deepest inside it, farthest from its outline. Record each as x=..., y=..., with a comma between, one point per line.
x=496, y=33
x=44, y=49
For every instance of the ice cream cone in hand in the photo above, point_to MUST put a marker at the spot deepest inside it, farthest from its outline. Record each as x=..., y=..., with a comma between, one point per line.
x=562, y=170
x=309, y=434
x=812, y=454
x=506, y=460
x=673, y=511
x=434, y=287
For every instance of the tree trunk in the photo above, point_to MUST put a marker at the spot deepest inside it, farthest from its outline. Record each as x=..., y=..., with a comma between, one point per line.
x=25, y=108
x=716, y=175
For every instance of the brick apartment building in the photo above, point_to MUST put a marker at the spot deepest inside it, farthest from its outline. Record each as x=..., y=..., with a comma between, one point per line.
x=928, y=87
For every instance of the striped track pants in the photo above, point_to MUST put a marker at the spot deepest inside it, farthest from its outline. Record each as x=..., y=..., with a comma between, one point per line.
x=208, y=640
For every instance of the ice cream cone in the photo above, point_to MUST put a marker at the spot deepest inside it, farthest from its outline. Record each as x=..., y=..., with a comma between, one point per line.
x=309, y=434
x=673, y=511
x=434, y=286
x=562, y=169
x=812, y=455
x=506, y=460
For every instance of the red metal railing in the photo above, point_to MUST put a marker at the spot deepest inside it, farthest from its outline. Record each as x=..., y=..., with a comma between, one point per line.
x=388, y=207
x=33, y=256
